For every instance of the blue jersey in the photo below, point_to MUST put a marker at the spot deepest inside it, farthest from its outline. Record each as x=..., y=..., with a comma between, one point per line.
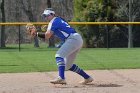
x=60, y=28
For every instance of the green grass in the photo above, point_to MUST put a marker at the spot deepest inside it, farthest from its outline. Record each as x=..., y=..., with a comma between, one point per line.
x=110, y=59
x=32, y=59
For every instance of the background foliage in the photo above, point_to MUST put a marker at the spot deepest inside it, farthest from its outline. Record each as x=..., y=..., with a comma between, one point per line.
x=108, y=11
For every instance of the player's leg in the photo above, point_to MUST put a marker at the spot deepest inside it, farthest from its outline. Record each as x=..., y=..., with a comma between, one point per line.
x=73, y=67
x=81, y=72
x=69, y=60
x=64, y=51
x=61, y=69
x=68, y=50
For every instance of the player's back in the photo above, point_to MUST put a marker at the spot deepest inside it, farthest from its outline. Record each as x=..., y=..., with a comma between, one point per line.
x=61, y=28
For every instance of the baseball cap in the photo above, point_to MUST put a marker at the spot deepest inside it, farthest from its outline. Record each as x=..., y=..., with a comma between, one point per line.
x=48, y=12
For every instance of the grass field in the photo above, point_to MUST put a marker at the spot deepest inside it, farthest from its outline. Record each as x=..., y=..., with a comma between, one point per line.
x=42, y=59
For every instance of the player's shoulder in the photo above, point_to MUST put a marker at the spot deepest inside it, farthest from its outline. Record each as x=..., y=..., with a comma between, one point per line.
x=55, y=20
x=58, y=18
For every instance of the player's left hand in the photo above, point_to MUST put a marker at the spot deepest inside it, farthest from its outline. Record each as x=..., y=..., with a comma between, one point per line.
x=31, y=29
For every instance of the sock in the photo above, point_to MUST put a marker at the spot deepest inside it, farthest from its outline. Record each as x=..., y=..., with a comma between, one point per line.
x=79, y=71
x=61, y=67
x=61, y=70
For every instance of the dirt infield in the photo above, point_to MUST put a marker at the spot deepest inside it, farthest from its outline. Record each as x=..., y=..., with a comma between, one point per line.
x=105, y=81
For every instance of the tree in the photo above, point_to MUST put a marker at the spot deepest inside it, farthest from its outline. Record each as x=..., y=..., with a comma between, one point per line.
x=130, y=36
x=94, y=11
x=29, y=12
x=0, y=21
x=2, y=30
x=128, y=11
x=90, y=11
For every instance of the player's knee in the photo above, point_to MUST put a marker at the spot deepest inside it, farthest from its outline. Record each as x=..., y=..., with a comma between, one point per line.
x=60, y=61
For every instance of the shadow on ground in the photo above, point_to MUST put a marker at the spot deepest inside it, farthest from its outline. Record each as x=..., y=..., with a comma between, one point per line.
x=88, y=85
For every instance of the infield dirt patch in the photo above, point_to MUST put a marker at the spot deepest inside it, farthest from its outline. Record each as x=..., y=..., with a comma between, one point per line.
x=105, y=81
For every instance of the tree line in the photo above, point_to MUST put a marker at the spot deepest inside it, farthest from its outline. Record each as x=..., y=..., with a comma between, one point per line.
x=108, y=11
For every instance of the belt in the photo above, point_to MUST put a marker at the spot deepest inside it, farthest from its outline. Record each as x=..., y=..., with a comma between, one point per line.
x=71, y=35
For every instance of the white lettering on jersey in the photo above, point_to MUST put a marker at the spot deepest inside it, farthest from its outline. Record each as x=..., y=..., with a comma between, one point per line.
x=65, y=34
x=67, y=25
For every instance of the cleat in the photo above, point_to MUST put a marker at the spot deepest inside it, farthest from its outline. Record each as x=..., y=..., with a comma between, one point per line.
x=58, y=81
x=85, y=81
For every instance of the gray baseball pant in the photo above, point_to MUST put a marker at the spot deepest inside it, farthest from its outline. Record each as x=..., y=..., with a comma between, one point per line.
x=69, y=49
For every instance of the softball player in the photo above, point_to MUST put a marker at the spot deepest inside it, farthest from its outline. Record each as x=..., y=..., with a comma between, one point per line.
x=67, y=52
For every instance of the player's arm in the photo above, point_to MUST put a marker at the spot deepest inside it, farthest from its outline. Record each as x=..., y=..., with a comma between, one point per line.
x=49, y=31
x=40, y=34
x=48, y=34
x=45, y=35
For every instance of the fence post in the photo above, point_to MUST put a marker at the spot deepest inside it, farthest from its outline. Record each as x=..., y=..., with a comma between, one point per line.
x=19, y=38
x=108, y=36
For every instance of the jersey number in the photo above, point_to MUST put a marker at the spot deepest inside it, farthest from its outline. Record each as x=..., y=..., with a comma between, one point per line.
x=67, y=25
